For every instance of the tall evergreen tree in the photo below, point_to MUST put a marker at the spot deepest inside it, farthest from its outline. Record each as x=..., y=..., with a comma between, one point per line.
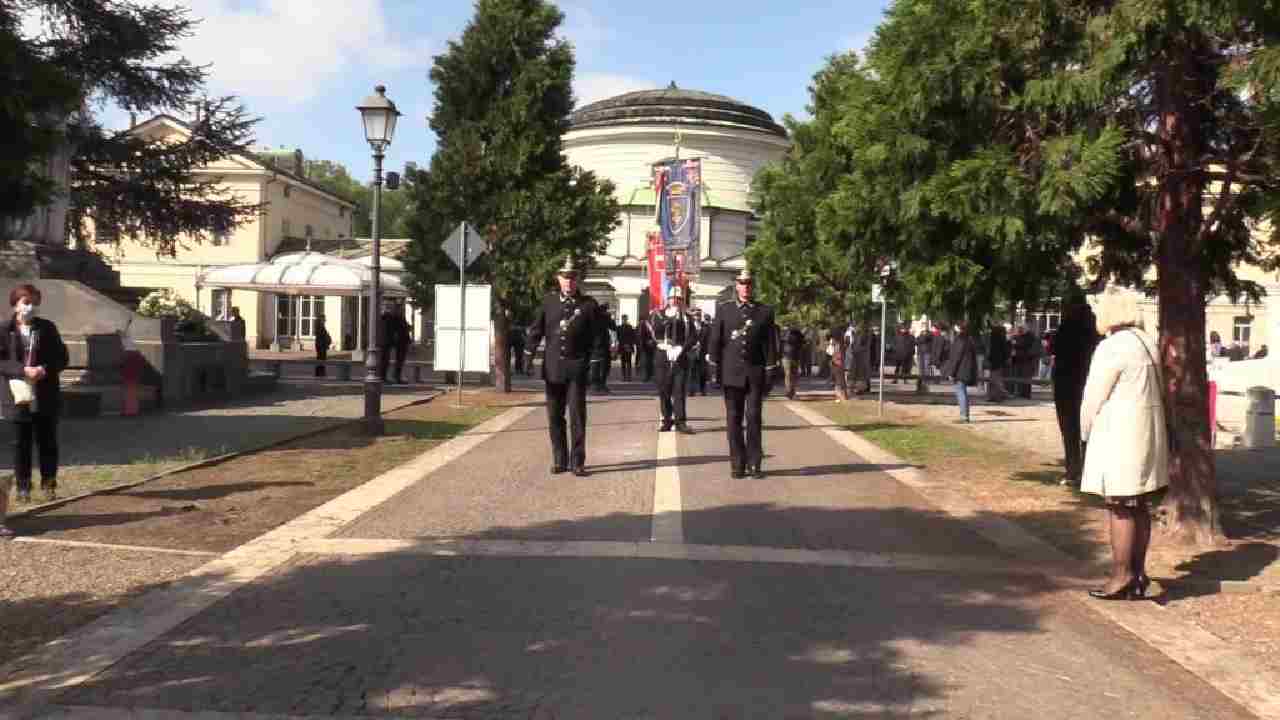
x=503, y=98
x=1174, y=105
x=91, y=52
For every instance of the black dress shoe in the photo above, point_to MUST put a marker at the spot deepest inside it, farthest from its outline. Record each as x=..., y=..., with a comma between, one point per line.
x=757, y=473
x=580, y=472
x=684, y=429
x=666, y=427
x=737, y=474
x=557, y=469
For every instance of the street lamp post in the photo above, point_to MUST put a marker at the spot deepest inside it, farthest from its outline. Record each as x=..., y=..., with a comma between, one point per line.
x=379, y=115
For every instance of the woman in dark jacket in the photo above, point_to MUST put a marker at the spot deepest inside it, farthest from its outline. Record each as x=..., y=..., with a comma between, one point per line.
x=32, y=352
x=962, y=367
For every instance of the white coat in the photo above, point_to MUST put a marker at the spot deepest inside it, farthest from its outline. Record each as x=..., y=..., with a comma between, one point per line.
x=1123, y=419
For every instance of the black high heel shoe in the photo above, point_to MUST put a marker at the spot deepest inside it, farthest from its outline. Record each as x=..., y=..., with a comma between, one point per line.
x=1140, y=585
x=1128, y=592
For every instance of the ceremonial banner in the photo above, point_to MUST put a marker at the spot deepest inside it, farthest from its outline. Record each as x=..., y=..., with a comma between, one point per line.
x=658, y=280
x=678, y=185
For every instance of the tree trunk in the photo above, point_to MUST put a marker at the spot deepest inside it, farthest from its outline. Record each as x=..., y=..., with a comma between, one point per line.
x=1193, y=497
x=502, y=347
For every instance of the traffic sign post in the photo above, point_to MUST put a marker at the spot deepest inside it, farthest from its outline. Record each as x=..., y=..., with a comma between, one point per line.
x=460, y=250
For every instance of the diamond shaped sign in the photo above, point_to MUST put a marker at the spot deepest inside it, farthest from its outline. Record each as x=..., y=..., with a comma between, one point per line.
x=476, y=245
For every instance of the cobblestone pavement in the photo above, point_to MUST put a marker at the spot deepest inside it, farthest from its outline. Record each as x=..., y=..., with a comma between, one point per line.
x=471, y=583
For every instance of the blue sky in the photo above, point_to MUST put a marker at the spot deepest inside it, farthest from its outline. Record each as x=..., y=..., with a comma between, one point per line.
x=303, y=65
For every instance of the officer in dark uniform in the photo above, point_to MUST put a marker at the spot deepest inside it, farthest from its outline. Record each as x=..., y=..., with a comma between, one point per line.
x=674, y=331
x=570, y=323
x=744, y=345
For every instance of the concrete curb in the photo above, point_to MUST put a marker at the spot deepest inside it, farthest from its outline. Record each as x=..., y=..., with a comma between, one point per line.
x=209, y=462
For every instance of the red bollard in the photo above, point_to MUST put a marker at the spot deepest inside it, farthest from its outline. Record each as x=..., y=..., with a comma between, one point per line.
x=131, y=374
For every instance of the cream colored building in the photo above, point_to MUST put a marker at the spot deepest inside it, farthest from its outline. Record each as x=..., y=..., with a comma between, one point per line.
x=620, y=139
x=297, y=213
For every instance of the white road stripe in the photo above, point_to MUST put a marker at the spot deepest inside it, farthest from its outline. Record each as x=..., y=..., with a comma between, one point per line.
x=668, y=526
x=74, y=658
x=962, y=564
x=110, y=546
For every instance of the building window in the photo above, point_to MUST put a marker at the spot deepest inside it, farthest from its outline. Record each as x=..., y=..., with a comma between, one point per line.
x=295, y=315
x=220, y=307
x=1242, y=329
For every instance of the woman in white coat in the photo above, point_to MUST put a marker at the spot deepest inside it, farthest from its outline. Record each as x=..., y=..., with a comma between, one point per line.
x=1123, y=421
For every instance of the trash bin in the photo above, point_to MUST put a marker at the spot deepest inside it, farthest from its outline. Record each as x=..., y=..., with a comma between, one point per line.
x=1260, y=418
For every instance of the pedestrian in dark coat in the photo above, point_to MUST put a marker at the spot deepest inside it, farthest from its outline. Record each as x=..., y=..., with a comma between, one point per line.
x=1025, y=357
x=904, y=353
x=744, y=344
x=32, y=355
x=862, y=353
x=404, y=338
x=997, y=363
x=627, y=338
x=570, y=323
x=323, y=343
x=1073, y=346
x=601, y=369
x=962, y=367
x=646, y=347
x=792, y=351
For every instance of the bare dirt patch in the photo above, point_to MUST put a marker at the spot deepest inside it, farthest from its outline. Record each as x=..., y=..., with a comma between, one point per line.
x=1022, y=485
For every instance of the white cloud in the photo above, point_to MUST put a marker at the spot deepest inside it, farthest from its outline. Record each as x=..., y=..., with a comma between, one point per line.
x=591, y=86
x=291, y=49
x=584, y=30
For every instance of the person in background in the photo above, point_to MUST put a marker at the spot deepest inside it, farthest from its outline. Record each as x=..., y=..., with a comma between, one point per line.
x=792, y=354
x=600, y=383
x=645, y=348
x=237, y=323
x=997, y=363
x=962, y=367
x=515, y=340
x=904, y=353
x=1073, y=345
x=1215, y=345
x=698, y=360
x=862, y=350
x=388, y=330
x=836, y=351
x=1262, y=353
x=1124, y=421
x=31, y=358
x=404, y=338
x=923, y=346
x=323, y=341
x=626, y=347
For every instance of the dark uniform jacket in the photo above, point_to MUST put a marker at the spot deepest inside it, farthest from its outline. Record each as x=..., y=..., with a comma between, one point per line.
x=574, y=333
x=744, y=343
x=49, y=351
x=904, y=347
x=679, y=330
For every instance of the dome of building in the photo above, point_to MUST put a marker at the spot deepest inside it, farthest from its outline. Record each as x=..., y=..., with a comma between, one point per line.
x=673, y=105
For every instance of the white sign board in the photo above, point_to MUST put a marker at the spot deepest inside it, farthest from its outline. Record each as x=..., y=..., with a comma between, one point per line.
x=877, y=295
x=448, y=324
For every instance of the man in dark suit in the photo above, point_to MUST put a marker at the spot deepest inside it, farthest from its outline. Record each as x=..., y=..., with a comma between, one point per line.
x=1073, y=347
x=698, y=362
x=388, y=338
x=645, y=349
x=744, y=345
x=600, y=370
x=626, y=347
x=570, y=323
x=676, y=336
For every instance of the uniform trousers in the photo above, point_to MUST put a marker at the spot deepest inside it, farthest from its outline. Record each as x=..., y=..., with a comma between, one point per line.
x=570, y=395
x=673, y=387
x=746, y=447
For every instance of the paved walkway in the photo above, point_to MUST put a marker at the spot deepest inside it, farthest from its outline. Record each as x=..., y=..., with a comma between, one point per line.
x=471, y=583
